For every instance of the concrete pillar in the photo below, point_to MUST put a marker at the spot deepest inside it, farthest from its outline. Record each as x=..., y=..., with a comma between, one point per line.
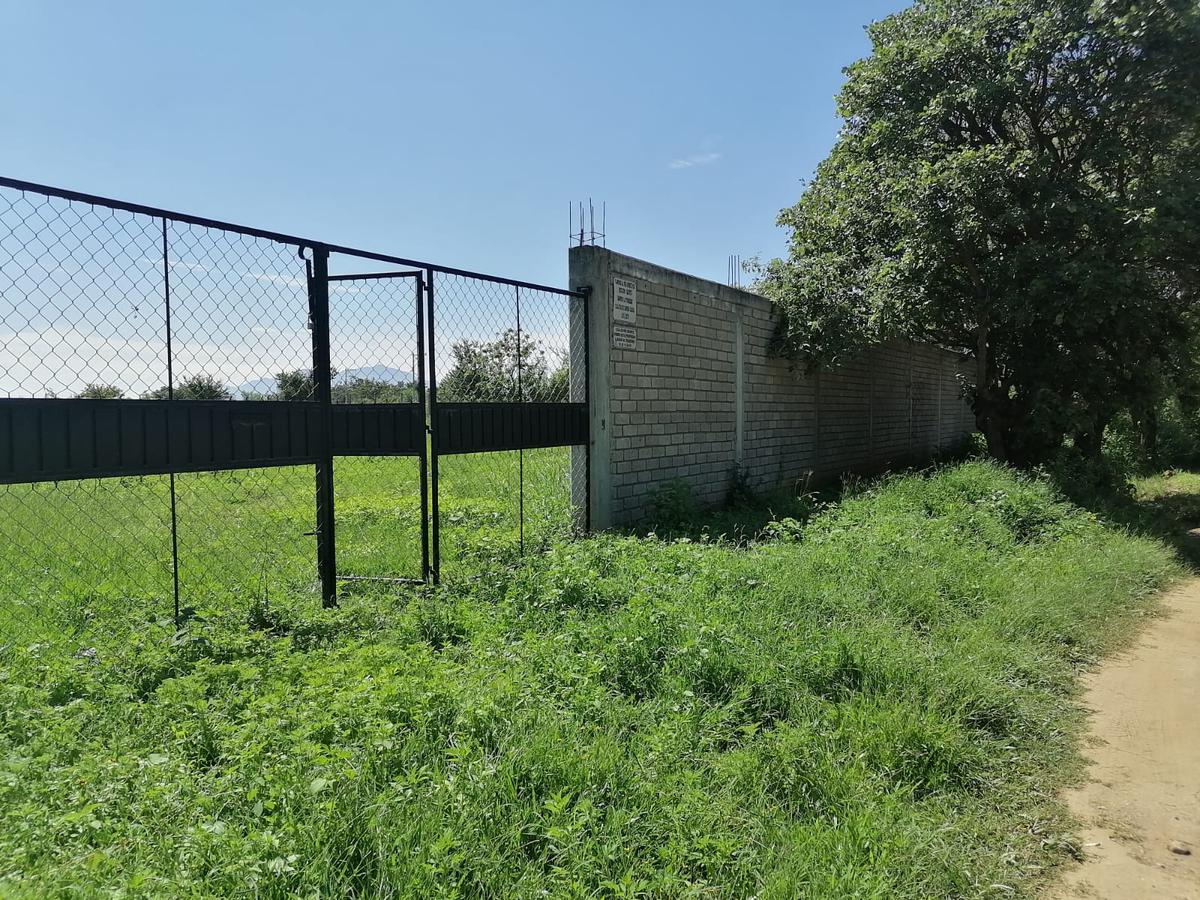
x=589, y=268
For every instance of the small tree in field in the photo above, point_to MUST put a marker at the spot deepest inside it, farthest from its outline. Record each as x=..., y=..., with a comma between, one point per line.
x=295, y=385
x=487, y=371
x=196, y=387
x=1019, y=180
x=101, y=392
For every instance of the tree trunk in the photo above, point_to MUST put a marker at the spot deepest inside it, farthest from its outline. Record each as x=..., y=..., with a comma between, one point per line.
x=1148, y=433
x=987, y=418
x=1090, y=441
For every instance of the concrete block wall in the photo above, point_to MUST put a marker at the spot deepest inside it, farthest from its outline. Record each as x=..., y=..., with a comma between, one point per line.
x=699, y=395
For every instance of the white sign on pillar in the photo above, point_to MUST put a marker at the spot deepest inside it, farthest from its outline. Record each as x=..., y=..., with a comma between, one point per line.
x=624, y=301
x=624, y=337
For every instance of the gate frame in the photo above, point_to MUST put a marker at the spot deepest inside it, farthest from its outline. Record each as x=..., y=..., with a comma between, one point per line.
x=508, y=424
x=319, y=296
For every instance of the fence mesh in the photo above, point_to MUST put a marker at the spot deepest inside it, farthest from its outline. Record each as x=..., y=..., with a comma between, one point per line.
x=503, y=343
x=239, y=314
x=111, y=302
x=83, y=290
x=373, y=325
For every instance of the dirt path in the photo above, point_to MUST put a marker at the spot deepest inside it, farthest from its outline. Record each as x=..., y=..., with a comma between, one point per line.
x=1143, y=794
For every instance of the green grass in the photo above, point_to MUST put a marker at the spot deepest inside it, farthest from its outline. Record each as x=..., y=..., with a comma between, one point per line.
x=92, y=559
x=1176, y=492
x=878, y=702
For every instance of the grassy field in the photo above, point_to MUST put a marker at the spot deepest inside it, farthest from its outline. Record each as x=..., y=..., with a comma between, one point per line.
x=93, y=558
x=876, y=702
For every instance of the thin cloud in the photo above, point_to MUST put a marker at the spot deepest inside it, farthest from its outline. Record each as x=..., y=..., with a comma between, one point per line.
x=696, y=159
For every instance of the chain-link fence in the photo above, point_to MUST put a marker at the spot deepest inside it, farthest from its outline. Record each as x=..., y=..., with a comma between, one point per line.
x=196, y=416
x=492, y=504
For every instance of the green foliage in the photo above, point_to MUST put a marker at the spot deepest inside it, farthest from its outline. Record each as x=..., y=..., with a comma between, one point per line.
x=195, y=387
x=298, y=385
x=1173, y=443
x=101, y=392
x=878, y=710
x=373, y=390
x=486, y=371
x=673, y=506
x=1016, y=179
x=295, y=385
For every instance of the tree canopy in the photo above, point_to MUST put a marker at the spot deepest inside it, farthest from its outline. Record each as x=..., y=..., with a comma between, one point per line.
x=97, y=391
x=1019, y=180
x=488, y=371
x=195, y=387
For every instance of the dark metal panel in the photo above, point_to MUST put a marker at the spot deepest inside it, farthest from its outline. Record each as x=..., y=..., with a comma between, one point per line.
x=377, y=429
x=80, y=444
x=203, y=444
x=106, y=419
x=52, y=438
x=58, y=440
x=130, y=435
x=6, y=440
x=179, y=434
x=156, y=436
x=480, y=427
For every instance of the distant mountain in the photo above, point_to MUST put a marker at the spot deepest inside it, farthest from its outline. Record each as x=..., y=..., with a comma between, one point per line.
x=384, y=374
x=257, y=386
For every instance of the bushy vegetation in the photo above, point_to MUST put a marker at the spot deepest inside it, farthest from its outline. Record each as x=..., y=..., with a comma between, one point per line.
x=1016, y=180
x=514, y=368
x=874, y=702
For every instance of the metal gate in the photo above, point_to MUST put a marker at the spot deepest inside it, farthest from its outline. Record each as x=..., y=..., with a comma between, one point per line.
x=507, y=357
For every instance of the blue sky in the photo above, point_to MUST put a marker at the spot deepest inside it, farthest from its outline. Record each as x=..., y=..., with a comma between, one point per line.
x=455, y=132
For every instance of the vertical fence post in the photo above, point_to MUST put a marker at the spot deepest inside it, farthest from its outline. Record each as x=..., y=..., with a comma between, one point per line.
x=171, y=396
x=323, y=388
x=423, y=412
x=520, y=453
x=591, y=277
x=433, y=431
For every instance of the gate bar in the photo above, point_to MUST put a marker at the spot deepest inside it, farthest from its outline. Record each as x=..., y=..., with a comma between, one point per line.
x=374, y=276
x=171, y=396
x=323, y=387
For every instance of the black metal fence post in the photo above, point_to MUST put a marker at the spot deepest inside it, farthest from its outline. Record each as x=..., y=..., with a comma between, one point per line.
x=433, y=430
x=323, y=389
x=423, y=457
x=171, y=396
x=520, y=453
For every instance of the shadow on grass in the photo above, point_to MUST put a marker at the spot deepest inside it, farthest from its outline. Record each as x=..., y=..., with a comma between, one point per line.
x=1164, y=507
x=1173, y=520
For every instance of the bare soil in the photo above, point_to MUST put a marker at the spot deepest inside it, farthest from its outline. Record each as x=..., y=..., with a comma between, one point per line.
x=1141, y=804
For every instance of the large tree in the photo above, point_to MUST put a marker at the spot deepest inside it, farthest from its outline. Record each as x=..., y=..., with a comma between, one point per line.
x=1016, y=179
